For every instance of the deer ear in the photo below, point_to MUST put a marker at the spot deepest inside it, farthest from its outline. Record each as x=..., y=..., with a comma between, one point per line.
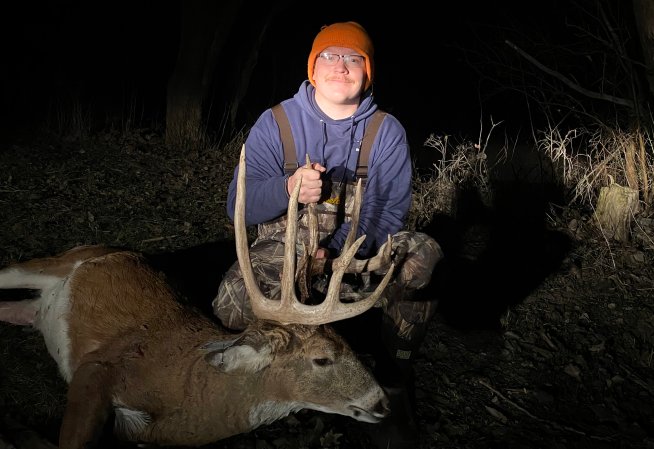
x=229, y=356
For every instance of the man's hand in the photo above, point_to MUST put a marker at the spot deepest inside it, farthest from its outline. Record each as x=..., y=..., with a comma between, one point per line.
x=311, y=189
x=322, y=253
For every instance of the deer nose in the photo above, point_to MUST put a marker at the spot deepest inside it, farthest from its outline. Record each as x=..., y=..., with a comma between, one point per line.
x=383, y=407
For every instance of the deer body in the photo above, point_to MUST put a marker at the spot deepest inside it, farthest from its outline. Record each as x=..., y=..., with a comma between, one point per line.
x=123, y=341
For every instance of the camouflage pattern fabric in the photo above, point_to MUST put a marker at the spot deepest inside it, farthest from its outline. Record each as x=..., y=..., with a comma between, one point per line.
x=331, y=211
x=415, y=255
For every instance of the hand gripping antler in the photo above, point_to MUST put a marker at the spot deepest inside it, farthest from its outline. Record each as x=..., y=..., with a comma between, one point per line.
x=288, y=309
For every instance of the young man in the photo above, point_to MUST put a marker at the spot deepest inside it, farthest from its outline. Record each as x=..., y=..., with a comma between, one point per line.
x=328, y=117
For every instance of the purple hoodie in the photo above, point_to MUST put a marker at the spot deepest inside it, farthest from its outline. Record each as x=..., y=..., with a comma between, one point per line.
x=333, y=143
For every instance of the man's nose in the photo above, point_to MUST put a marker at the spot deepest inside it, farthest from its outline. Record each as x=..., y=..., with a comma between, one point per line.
x=340, y=65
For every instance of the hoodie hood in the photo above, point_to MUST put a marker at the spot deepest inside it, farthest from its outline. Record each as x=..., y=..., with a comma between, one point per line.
x=333, y=143
x=306, y=98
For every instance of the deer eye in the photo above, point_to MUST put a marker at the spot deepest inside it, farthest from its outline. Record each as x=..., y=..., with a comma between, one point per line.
x=323, y=362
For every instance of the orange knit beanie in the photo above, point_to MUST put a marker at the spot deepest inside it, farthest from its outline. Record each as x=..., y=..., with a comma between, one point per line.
x=343, y=34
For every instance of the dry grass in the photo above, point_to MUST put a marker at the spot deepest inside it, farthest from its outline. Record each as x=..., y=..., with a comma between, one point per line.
x=460, y=165
x=587, y=160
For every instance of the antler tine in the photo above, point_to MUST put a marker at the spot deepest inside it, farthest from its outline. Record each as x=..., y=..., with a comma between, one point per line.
x=383, y=256
x=339, y=310
x=313, y=224
x=264, y=308
x=354, y=221
x=258, y=300
x=288, y=271
x=305, y=267
x=380, y=260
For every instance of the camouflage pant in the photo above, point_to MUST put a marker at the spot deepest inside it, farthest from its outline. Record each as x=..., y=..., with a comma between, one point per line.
x=415, y=256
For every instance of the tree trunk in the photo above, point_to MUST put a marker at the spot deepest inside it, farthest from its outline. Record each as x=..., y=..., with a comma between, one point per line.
x=248, y=65
x=205, y=27
x=616, y=209
x=644, y=16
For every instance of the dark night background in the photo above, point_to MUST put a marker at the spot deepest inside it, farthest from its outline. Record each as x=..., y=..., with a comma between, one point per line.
x=441, y=68
x=114, y=59
x=533, y=301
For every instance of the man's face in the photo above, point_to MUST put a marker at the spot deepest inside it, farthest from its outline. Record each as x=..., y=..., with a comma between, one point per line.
x=341, y=80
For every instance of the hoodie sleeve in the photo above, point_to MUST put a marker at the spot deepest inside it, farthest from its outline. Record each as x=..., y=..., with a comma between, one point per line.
x=266, y=197
x=387, y=196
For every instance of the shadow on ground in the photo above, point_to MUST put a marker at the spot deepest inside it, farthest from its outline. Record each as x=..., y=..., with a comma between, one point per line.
x=495, y=258
x=196, y=272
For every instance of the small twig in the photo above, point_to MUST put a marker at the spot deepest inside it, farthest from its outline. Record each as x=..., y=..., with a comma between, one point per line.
x=158, y=239
x=547, y=340
x=500, y=395
x=637, y=380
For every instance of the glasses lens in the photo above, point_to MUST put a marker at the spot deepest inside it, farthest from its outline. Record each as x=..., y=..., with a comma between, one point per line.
x=329, y=58
x=349, y=60
x=353, y=60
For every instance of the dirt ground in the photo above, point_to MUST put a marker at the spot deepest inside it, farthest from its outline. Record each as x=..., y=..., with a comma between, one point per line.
x=544, y=337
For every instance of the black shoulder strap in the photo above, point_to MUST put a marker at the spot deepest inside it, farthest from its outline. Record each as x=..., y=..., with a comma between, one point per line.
x=366, y=144
x=290, y=158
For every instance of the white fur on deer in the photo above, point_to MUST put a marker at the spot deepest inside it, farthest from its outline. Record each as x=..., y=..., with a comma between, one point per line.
x=126, y=343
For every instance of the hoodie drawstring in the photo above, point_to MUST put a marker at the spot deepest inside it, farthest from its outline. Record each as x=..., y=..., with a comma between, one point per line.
x=349, y=153
x=324, y=141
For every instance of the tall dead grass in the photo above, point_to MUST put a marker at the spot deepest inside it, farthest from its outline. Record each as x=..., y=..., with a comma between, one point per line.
x=459, y=165
x=586, y=160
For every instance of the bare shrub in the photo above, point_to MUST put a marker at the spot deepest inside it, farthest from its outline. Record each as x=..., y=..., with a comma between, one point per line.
x=231, y=150
x=69, y=120
x=460, y=165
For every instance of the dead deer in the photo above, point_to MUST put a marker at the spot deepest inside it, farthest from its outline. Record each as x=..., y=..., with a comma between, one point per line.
x=128, y=346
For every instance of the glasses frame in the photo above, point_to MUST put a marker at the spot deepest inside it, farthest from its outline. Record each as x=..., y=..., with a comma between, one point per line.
x=347, y=59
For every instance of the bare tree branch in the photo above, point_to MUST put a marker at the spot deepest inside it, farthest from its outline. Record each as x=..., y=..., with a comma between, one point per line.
x=576, y=87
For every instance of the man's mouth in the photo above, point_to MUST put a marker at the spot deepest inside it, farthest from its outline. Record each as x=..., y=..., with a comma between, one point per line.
x=340, y=80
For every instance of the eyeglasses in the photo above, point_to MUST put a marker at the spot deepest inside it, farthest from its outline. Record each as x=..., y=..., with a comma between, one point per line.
x=356, y=61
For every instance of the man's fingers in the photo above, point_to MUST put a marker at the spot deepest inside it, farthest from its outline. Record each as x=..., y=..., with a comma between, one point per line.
x=311, y=189
x=309, y=174
x=309, y=195
x=322, y=253
x=316, y=166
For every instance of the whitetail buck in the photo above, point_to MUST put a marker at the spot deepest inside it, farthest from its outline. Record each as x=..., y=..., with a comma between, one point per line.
x=128, y=346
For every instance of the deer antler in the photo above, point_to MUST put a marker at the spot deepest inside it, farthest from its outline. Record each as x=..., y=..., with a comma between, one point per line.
x=288, y=309
x=305, y=269
x=310, y=266
x=380, y=260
